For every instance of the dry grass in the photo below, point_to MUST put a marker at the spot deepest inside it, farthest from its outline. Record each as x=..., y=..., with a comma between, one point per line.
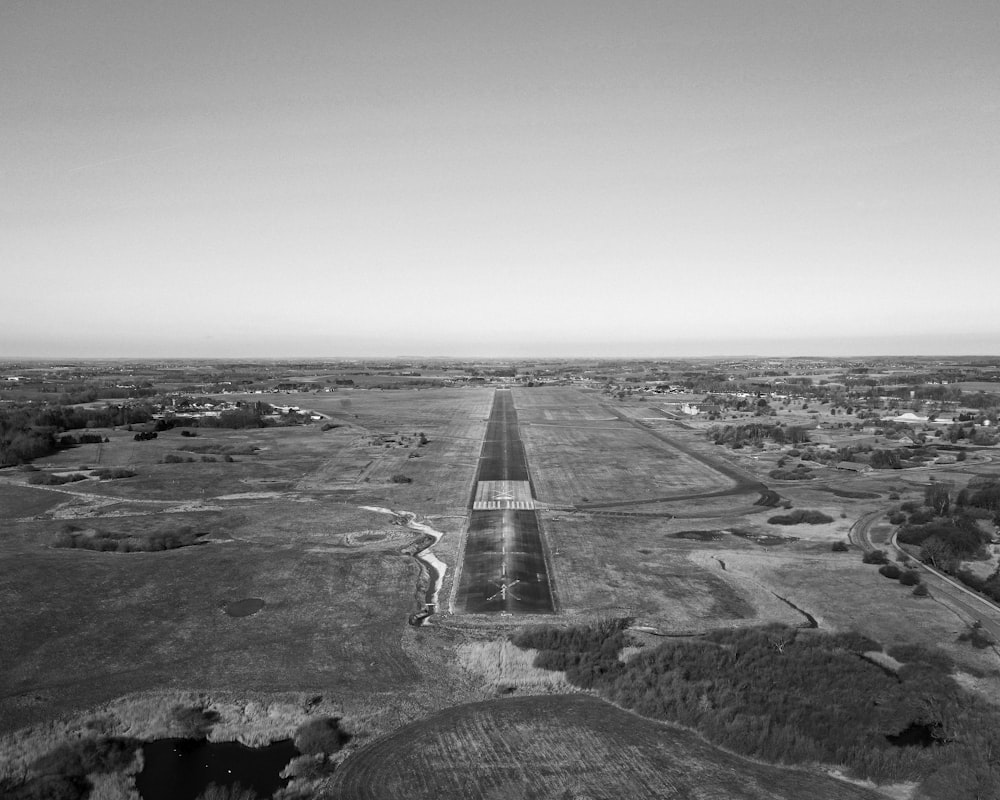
x=501, y=667
x=633, y=566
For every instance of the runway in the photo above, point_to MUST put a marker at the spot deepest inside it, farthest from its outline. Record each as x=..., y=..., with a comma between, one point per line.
x=504, y=568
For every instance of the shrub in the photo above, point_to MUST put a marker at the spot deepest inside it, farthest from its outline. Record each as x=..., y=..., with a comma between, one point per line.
x=890, y=571
x=921, y=590
x=400, y=478
x=839, y=547
x=48, y=479
x=113, y=473
x=193, y=722
x=875, y=557
x=77, y=759
x=910, y=578
x=800, y=516
x=976, y=636
x=321, y=735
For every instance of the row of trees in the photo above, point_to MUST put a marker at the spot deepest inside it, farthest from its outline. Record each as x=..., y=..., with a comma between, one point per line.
x=757, y=433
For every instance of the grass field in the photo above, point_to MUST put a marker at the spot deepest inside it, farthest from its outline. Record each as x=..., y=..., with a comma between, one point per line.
x=579, y=452
x=634, y=566
x=563, y=746
x=284, y=525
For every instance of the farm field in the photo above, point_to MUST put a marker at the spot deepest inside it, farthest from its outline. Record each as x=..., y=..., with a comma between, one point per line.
x=563, y=746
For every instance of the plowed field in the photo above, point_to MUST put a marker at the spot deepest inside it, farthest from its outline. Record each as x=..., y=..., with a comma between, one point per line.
x=563, y=746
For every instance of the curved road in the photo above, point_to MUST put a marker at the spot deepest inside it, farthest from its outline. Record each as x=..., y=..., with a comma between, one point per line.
x=967, y=604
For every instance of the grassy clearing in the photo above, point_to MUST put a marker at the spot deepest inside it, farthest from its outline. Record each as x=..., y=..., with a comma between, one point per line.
x=597, y=459
x=844, y=594
x=625, y=563
x=563, y=746
x=81, y=627
x=501, y=667
x=18, y=501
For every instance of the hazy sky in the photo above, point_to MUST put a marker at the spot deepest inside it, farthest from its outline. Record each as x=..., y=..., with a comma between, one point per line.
x=499, y=178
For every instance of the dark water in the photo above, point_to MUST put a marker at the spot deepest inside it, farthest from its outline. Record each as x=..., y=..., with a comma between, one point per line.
x=245, y=607
x=181, y=769
x=915, y=735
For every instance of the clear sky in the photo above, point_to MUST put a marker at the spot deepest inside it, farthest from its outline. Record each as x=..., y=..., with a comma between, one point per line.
x=499, y=178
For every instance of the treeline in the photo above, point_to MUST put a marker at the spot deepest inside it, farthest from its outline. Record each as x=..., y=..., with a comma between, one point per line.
x=947, y=530
x=69, y=536
x=795, y=697
x=64, y=773
x=30, y=432
x=752, y=433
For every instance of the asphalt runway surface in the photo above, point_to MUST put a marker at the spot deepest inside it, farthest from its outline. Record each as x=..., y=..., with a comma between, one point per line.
x=504, y=568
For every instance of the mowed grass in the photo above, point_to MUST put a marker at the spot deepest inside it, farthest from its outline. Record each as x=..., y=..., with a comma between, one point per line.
x=563, y=746
x=633, y=566
x=577, y=455
x=81, y=627
x=23, y=501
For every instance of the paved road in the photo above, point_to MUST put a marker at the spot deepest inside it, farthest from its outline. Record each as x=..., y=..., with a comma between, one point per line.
x=504, y=568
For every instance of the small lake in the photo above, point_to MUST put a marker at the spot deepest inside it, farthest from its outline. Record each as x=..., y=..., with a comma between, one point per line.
x=181, y=769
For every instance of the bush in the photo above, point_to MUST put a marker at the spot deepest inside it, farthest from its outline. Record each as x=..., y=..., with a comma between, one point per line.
x=113, y=473
x=48, y=479
x=839, y=547
x=921, y=590
x=890, y=571
x=910, y=578
x=193, y=722
x=78, y=759
x=800, y=516
x=976, y=636
x=875, y=557
x=322, y=735
x=400, y=478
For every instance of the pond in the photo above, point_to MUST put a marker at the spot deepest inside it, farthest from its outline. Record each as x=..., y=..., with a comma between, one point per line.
x=181, y=769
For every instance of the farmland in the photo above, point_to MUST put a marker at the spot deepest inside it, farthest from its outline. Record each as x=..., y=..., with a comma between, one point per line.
x=563, y=747
x=295, y=591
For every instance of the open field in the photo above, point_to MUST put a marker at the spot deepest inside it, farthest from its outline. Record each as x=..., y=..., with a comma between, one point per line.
x=284, y=525
x=112, y=623
x=633, y=566
x=636, y=523
x=590, y=455
x=563, y=746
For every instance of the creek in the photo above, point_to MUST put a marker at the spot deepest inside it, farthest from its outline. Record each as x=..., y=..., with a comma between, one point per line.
x=435, y=567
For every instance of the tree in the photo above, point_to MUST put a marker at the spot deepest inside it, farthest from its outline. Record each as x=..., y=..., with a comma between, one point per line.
x=937, y=497
x=939, y=554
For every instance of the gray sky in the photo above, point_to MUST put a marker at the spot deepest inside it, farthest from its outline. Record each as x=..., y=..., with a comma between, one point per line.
x=504, y=178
